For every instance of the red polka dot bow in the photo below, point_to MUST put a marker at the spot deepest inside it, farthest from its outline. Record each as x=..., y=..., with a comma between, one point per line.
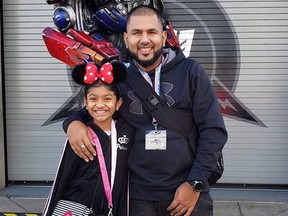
x=92, y=74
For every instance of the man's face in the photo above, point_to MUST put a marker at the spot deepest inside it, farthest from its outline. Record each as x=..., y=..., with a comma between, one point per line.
x=145, y=39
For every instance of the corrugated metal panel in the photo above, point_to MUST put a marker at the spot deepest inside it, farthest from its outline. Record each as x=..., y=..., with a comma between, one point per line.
x=2, y=140
x=259, y=155
x=37, y=85
x=253, y=154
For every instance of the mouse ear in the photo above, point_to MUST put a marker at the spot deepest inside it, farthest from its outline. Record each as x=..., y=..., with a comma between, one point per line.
x=119, y=71
x=78, y=74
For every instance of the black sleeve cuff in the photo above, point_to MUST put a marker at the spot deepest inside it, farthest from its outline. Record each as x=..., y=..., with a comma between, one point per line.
x=81, y=115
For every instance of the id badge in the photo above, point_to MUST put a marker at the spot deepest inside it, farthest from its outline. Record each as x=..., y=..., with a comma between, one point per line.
x=155, y=140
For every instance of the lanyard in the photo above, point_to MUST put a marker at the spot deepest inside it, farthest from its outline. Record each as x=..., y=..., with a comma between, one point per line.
x=156, y=85
x=103, y=169
x=156, y=79
x=114, y=152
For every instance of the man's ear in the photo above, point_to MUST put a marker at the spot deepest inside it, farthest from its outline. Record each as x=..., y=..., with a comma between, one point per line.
x=125, y=38
x=164, y=37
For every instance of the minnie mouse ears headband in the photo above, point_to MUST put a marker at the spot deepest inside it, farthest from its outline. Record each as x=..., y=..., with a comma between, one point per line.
x=110, y=72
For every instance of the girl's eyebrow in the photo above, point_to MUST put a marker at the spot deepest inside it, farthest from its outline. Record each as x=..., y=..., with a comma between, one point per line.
x=109, y=94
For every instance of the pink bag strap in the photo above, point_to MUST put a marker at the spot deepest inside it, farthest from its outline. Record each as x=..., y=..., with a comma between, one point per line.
x=103, y=169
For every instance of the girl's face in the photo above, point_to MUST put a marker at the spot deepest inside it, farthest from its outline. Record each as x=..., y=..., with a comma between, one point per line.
x=101, y=104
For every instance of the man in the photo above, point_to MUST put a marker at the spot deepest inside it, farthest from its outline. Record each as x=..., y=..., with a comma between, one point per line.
x=168, y=179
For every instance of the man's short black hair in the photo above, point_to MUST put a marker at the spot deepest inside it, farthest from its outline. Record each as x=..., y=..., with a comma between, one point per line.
x=146, y=10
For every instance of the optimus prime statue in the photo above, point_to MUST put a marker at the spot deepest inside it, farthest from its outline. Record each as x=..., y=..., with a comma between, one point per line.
x=91, y=30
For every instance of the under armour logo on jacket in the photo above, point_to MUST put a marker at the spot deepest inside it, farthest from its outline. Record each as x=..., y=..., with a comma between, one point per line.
x=136, y=106
x=166, y=88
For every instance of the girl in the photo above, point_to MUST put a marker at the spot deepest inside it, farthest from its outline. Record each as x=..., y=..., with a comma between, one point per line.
x=79, y=181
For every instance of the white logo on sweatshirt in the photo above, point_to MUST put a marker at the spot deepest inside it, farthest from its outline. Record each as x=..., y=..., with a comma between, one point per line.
x=123, y=142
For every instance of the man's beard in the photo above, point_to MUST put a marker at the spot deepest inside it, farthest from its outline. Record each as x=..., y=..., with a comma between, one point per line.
x=147, y=63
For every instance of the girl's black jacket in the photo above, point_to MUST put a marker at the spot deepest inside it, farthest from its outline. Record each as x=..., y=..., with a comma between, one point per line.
x=77, y=180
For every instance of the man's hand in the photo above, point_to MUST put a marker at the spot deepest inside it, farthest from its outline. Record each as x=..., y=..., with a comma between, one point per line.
x=184, y=200
x=81, y=140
